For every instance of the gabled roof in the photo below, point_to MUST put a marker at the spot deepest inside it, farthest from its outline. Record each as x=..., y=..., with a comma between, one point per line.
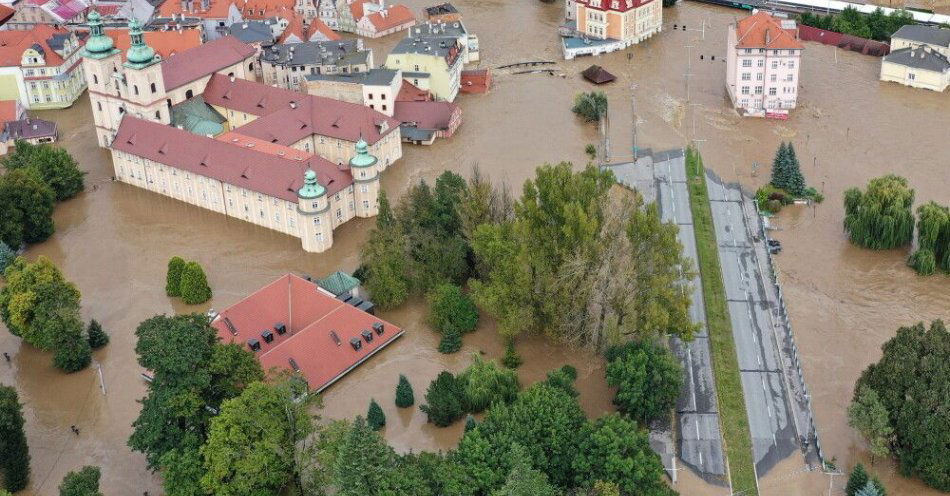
x=241, y=166
x=30, y=128
x=931, y=35
x=394, y=16
x=165, y=43
x=296, y=32
x=343, y=52
x=318, y=326
x=217, y=9
x=14, y=42
x=5, y=14
x=919, y=58
x=598, y=75
x=425, y=115
x=613, y=5
x=290, y=116
x=338, y=283
x=202, y=60
x=252, y=31
x=761, y=30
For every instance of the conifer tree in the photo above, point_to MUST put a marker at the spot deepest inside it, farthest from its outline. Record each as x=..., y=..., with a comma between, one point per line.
x=470, y=422
x=14, y=452
x=375, y=416
x=6, y=256
x=173, y=276
x=857, y=480
x=795, y=182
x=778, y=165
x=451, y=341
x=97, y=337
x=194, y=284
x=404, y=396
x=444, y=400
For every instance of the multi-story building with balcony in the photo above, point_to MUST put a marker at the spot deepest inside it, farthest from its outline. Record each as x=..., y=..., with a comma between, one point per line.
x=41, y=67
x=763, y=59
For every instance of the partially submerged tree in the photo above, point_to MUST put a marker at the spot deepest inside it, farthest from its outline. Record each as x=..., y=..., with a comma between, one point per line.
x=375, y=417
x=96, y=336
x=647, y=378
x=85, y=482
x=194, y=284
x=444, y=400
x=14, y=451
x=404, y=395
x=869, y=416
x=55, y=166
x=27, y=206
x=176, y=265
x=592, y=106
x=933, y=239
x=485, y=383
x=881, y=217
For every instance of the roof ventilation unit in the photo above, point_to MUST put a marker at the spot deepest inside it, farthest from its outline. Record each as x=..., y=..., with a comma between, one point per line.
x=356, y=343
x=280, y=328
x=293, y=365
x=267, y=336
x=379, y=328
x=254, y=344
x=368, y=336
x=355, y=301
x=230, y=326
x=336, y=339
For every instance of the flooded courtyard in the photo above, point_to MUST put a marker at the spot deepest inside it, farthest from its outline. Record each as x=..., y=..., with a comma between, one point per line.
x=114, y=240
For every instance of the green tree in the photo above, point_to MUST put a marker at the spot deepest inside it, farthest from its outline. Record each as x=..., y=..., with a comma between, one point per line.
x=450, y=342
x=404, y=395
x=872, y=488
x=613, y=449
x=881, y=217
x=591, y=151
x=96, y=336
x=786, y=171
x=484, y=383
x=384, y=256
x=182, y=470
x=857, y=480
x=869, y=416
x=176, y=265
x=6, y=257
x=591, y=106
x=545, y=420
x=365, y=464
x=14, y=451
x=933, y=239
x=912, y=380
x=375, y=417
x=55, y=166
x=523, y=479
x=27, y=206
x=194, y=284
x=512, y=359
x=72, y=351
x=647, y=378
x=251, y=444
x=85, y=482
x=192, y=375
x=451, y=309
x=564, y=378
x=444, y=400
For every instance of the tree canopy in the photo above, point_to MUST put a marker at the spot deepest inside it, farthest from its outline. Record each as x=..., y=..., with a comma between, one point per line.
x=404, y=395
x=484, y=383
x=880, y=218
x=27, y=206
x=54, y=165
x=85, y=482
x=14, y=451
x=194, y=287
x=786, y=171
x=592, y=106
x=869, y=416
x=912, y=381
x=613, y=449
x=876, y=26
x=647, y=377
x=933, y=239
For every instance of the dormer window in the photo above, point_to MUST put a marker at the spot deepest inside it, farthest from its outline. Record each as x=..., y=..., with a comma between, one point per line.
x=615, y=4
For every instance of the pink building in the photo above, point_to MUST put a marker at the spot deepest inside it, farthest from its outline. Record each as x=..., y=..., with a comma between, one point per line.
x=763, y=60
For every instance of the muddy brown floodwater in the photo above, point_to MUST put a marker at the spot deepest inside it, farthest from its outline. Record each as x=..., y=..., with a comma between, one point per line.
x=114, y=240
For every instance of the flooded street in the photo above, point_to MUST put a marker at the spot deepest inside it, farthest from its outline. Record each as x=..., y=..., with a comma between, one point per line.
x=114, y=240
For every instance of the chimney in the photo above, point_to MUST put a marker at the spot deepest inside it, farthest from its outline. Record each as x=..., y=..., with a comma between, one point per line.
x=231, y=77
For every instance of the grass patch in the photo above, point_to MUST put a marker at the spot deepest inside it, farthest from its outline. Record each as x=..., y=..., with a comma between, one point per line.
x=732, y=413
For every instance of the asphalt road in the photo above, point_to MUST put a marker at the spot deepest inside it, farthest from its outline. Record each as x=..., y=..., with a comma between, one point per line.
x=662, y=178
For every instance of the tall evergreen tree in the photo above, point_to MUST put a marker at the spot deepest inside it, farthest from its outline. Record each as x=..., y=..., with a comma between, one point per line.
x=375, y=417
x=795, y=181
x=6, y=257
x=384, y=256
x=194, y=284
x=365, y=464
x=173, y=277
x=96, y=336
x=780, y=165
x=14, y=452
x=404, y=395
x=444, y=400
x=857, y=480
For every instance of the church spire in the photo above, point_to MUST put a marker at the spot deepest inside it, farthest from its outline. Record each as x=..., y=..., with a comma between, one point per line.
x=140, y=55
x=99, y=44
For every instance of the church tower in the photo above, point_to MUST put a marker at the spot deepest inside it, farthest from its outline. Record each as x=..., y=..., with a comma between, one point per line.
x=313, y=207
x=365, y=170
x=100, y=64
x=144, y=87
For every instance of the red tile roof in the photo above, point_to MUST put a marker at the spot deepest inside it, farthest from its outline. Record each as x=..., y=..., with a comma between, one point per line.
x=5, y=14
x=203, y=60
x=290, y=116
x=396, y=15
x=357, y=9
x=410, y=92
x=9, y=110
x=251, y=9
x=14, y=42
x=425, y=115
x=310, y=315
x=613, y=5
x=237, y=165
x=761, y=30
x=217, y=9
x=296, y=28
x=264, y=146
x=165, y=43
x=475, y=81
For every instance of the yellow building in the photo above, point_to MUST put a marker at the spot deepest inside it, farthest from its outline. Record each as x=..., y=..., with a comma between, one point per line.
x=627, y=21
x=920, y=58
x=41, y=67
x=431, y=63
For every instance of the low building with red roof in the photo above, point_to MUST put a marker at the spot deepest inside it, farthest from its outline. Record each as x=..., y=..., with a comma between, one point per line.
x=763, y=59
x=293, y=324
x=165, y=43
x=423, y=122
x=389, y=20
x=40, y=67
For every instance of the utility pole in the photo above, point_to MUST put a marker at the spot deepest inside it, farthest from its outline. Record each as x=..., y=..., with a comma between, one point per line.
x=689, y=67
x=633, y=112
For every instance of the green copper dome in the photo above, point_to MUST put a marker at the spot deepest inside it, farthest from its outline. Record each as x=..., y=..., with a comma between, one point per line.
x=139, y=54
x=362, y=158
x=311, y=187
x=98, y=44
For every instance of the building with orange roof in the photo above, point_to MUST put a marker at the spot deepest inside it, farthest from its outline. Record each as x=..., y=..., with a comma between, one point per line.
x=5, y=14
x=165, y=43
x=41, y=67
x=763, y=59
x=296, y=325
x=215, y=15
x=386, y=21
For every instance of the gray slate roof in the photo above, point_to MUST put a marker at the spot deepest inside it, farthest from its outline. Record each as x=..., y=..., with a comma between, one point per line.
x=924, y=34
x=372, y=77
x=919, y=58
x=433, y=45
x=429, y=29
x=445, y=8
x=252, y=31
x=344, y=52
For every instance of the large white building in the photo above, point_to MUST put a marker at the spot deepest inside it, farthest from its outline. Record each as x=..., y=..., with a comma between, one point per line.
x=763, y=59
x=920, y=58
